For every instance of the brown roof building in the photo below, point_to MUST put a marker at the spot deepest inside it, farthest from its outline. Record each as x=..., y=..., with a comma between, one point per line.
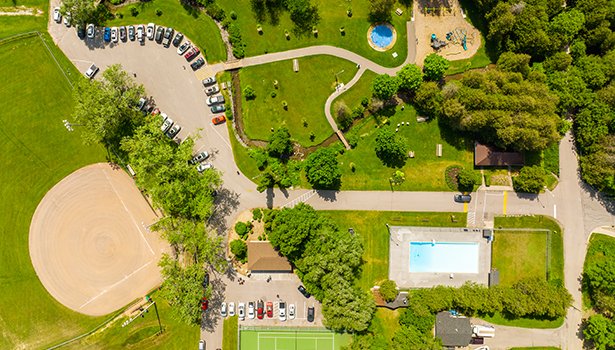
x=263, y=258
x=490, y=156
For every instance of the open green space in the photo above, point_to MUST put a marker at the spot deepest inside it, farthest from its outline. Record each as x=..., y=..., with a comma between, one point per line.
x=479, y=60
x=361, y=89
x=144, y=332
x=370, y=226
x=194, y=23
x=229, y=337
x=332, y=17
x=11, y=25
x=38, y=153
x=305, y=92
x=424, y=172
x=600, y=249
x=292, y=338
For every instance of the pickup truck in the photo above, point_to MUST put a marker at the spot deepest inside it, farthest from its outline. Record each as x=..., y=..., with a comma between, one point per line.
x=483, y=331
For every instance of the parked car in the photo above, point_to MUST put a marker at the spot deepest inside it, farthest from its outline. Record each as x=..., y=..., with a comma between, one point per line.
x=204, y=304
x=91, y=30
x=310, y=315
x=192, y=53
x=197, y=159
x=282, y=310
x=107, y=34
x=198, y=63
x=67, y=19
x=269, y=308
x=141, y=103
x=159, y=33
x=223, y=310
x=212, y=100
x=114, y=34
x=241, y=311
x=209, y=81
x=219, y=119
x=131, y=33
x=140, y=33
x=251, y=312
x=291, y=311
x=151, y=28
x=217, y=109
x=304, y=291
x=80, y=31
x=167, y=37
x=204, y=166
x=212, y=90
x=463, y=198
x=201, y=344
x=57, y=16
x=173, y=131
x=205, y=282
x=260, y=310
x=183, y=47
x=166, y=124
x=231, y=309
x=91, y=72
x=178, y=39
x=123, y=33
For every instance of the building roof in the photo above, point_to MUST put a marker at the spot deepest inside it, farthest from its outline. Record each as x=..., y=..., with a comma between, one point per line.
x=490, y=156
x=453, y=330
x=262, y=257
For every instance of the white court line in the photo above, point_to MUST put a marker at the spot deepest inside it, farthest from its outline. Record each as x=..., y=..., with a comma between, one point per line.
x=84, y=61
x=114, y=285
x=129, y=213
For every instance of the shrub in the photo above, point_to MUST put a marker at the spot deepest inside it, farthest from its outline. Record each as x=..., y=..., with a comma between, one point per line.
x=466, y=179
x=242, y=229
x=249, y=93
x=236, y=40
x=353, y=140
x=365, y=102
x=216, y=12
x=257, y=214
x=158, y=12
x=352, y=166
x=239, y=248
x=530, y=179
x=273, y=94
x=116, y=2
x=285, y=105
x=450, y=176
x=343, y=116
x=134, y=11
x=233, y=15
x=388, y=290
x=358, y=112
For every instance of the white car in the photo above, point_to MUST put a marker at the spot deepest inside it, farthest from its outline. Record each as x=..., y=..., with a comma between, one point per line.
x=91, y=30
x=67, y=19
x=223, y=310
x=166, y=124
x=204, y=166
x=231, y=309
x=114, y=34
x=151, y=29
x=291, y=311
x=91, y=71
x=251, y=313
x=215, y=100
x=183, y=47
x=140, y=33
x=282, y=310
x=212, y=90
x=241, y=311
x=57, y=16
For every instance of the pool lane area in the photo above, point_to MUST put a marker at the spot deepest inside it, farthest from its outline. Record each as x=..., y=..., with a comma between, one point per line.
x=444, y=257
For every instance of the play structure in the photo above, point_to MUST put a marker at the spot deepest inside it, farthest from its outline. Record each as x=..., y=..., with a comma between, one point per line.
x=456, y=37
x=436, y=43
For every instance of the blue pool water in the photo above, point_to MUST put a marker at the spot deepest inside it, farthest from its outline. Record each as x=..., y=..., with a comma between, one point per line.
x=444, y=257
x=381, y=36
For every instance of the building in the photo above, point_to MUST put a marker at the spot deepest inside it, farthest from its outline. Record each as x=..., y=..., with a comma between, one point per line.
x=263, y=258
x=489, y=156
x=453, y=331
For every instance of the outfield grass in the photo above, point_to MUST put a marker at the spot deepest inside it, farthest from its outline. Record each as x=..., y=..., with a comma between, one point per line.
x=332, y=17
x=601, y=248
x=195, y=24
x=143, y=333
x=229, y=335
x=38, y=153
x=11, y=25
x=424, y=172
x=370, y=226
x=305, y=92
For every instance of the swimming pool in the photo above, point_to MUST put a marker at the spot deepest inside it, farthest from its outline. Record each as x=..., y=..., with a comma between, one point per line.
x=444, y=257
x=381, y=35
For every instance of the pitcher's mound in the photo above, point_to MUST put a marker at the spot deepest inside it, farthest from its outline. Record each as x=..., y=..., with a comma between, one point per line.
x=90, y=244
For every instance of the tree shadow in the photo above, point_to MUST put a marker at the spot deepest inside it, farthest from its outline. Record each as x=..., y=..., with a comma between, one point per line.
x=191, y=7
x=270, y=195
x=607, y=201
x=457, y=139
x=267, y=11
x=209, y=318
x=327, y=195
x=226, y=202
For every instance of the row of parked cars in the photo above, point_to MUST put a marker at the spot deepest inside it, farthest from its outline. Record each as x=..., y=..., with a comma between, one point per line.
x=259, y=309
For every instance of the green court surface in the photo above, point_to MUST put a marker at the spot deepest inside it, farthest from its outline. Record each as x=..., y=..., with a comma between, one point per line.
x=291, y=339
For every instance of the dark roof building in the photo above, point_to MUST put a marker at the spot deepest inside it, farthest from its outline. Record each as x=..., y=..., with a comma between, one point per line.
x=453, y=330
x=263, y=258
x=490, y=156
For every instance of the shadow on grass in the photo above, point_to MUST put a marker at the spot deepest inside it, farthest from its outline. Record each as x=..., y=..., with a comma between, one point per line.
x=476, y=16
x=454, y=138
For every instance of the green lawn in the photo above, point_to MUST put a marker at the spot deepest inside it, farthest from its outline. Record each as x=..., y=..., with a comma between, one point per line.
x=370, y=226
x=353, y=96
x=11, y=25
x=519, y=254
x=305, y=92
x=601, y=248
x=38, y=153
x=332, y=17
x=229, y=335
x=195, y=24
x=424, y=172
x=497, y=318
x=479, y=60
x=386, y=322
x=143, y=333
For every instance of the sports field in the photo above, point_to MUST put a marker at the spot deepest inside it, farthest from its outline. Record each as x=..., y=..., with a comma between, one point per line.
x=291, y=339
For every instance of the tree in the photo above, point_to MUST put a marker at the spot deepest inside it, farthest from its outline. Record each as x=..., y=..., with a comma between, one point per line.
x=514, y=62
x=391, y=148
x=380, y=10
x=343, y=114
x=435, y=66
x=418, y=316
x=411, y=338
x=565, y=26
x=279, y=143
x=239, y=248
x=467, y=179
x=600, y=331
x=347, y=308
x=410, y=77
x=322, y=169
x=303, y=14
x=531, y=179
x=428, y=100
x=81, y=11
x=384, y=87
x=249, y=93
x=265, y=181
x=397, y=178
x=291, y=229
x=388, y=290
x=182, y=288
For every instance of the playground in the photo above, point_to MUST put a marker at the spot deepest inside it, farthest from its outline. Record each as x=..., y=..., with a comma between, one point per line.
x=264, y=338
x=441, y=27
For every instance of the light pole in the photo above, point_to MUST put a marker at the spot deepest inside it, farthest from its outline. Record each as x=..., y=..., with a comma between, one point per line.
x=69, y=126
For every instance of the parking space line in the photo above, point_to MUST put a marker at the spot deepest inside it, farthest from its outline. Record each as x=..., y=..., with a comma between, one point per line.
x=465, y=207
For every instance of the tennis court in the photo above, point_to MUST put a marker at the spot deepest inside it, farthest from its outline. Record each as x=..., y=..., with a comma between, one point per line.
x=257, y=338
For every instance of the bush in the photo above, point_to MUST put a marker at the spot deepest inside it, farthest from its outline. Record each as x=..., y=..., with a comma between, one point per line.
x=450, y=176
x=343, y=115
x=134, y=11
x=388, y=290
x=158, y=12
x=216, y=12
x=365, y=102
x=285, y=105
x=467, y=179
x=353, y=140
x=233, y=15
x=242, y=229
x=249, y=93
x=236, y=40
x=273, y=94
x=530, y=179
x=257, y=214
x=239, y=248
x=116, y=2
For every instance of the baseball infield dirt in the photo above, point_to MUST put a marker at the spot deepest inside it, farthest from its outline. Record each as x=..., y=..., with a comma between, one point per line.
x=90, y=244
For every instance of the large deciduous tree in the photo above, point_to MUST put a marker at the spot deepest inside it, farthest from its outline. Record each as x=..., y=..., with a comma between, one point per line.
x=531, y=179
x=384, y=87
x=391, y=148
x=81, y=11
x=381, y=10
x=435, y=66
x=279, y=145
x=322, y=169
x=410, y=77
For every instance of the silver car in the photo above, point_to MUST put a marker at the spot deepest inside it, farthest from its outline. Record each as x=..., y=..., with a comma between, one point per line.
x=166, y=124
x=215, y=100
x=212, y=90
x=201, y=168
x=141, y=33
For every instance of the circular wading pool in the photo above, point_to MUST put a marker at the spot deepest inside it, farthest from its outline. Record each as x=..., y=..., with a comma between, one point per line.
x=382, y=37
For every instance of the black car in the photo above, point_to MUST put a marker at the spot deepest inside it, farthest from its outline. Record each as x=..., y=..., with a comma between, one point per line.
x=131, y=33
x=159, y=32
x=304, y=291
x=198, y=63
x=463, y=198
x=178, y=39
x=310, y=316
x=168, y=36
x=205, y=280
x=80, y=31
x=123, y=33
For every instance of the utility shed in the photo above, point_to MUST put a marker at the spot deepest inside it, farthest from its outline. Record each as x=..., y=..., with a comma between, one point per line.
x=453, y=331
x=489, y=156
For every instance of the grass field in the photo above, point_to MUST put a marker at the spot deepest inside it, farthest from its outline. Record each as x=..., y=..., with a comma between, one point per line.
x=332, y=17
x=370, y=226
x=353, y=96
x=38, y=153
x=305, y=92
x=11, y=25
x=601, y=247
x=195, y=24
x=229, y=337
x=292, y=339
x=479, y=60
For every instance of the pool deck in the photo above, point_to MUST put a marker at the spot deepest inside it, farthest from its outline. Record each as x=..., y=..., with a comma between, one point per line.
x=399, y=256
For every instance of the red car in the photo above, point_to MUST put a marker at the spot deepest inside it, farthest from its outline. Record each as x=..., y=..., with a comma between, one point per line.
x=218, y=120
x=260, y=312
x=192, y=53
x=204, y=304
x=269, y=309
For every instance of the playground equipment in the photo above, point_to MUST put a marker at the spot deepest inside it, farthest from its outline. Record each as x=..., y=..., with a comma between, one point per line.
x=437, y=44
x=459, y=37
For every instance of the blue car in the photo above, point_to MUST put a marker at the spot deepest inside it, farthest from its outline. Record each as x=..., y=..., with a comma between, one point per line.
x=107, y=36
